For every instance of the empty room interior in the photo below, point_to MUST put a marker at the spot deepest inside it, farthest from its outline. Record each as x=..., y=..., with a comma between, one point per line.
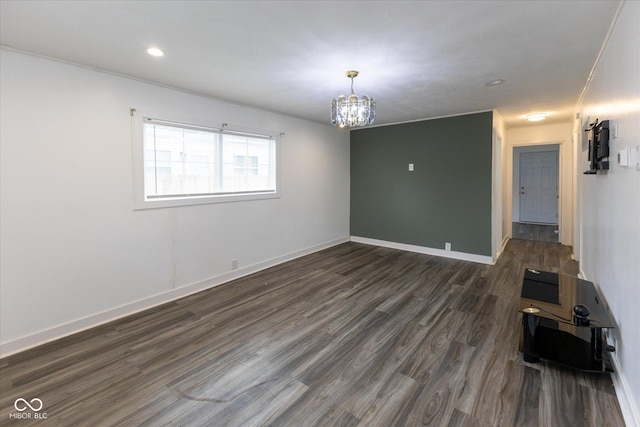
x=320, y=213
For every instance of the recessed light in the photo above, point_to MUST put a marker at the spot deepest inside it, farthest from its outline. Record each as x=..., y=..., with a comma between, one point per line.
x=154, y=51
x=536, y=117
x=494, y=82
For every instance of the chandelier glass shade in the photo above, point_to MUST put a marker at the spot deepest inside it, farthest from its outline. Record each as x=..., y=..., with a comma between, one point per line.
x=353, y=111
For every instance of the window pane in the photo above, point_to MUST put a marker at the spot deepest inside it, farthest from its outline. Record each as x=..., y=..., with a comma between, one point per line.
x=185, y=162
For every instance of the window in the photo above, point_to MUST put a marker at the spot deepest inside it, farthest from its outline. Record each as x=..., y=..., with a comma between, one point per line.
x=246, y=165
x=185, y=164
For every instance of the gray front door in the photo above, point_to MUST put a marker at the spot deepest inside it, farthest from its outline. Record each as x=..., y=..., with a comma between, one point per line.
x=539, y=187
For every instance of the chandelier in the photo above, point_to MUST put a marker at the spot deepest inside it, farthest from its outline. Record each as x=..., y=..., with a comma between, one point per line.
x=353, y=111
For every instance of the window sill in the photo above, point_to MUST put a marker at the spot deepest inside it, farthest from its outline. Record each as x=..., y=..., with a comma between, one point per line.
x=204, y=200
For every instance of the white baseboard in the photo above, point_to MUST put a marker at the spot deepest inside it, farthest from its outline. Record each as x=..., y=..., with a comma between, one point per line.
x=482, y=259
x=628, y=406
x=505, y=240
x=20, y=344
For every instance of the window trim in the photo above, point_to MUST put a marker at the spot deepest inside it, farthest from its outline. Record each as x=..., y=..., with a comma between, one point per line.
x=141, y=202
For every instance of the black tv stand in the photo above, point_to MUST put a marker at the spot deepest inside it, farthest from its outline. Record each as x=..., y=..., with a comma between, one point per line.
x=563, y=321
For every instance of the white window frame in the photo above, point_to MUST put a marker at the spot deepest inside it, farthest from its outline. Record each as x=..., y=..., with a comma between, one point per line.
x=140, y=201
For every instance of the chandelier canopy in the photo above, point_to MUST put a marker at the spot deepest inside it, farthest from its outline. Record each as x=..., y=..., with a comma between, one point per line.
x=353, y=111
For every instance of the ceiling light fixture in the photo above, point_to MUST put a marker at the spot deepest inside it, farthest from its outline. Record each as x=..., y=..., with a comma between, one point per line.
x=353, y=111
x=536, y=117
x=154, y=51
x=494, y=82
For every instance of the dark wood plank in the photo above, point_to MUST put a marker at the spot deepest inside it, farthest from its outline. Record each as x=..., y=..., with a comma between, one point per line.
x=538, y=232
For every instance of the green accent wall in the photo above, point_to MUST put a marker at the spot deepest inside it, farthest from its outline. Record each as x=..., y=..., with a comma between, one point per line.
x=447, y=198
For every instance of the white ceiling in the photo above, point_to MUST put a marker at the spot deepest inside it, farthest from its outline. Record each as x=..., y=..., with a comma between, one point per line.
x=418, y=59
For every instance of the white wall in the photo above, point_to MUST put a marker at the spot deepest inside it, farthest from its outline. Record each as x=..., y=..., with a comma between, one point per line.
x=609, y=202
x=74, y=252
x=541, y=134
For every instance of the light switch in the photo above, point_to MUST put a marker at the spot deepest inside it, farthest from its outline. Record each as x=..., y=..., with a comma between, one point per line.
x=623, y=157
x=410, y=167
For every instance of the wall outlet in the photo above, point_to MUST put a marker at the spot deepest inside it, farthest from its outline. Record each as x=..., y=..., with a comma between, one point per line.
x=610, y=336
x=613, y=341
x=410, y=167
x=447, y=246
x=234, y=264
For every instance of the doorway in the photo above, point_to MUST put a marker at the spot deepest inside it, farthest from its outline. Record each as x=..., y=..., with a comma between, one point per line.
x=536, y=193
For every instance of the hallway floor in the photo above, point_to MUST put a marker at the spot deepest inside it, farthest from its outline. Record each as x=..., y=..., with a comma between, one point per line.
x=535, y=232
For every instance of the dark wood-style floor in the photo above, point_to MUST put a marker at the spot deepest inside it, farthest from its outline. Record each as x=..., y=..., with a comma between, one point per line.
x=538, y=232
x=354, y=335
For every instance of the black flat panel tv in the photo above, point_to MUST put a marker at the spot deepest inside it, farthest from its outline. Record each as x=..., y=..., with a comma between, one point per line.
x=598, y=146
